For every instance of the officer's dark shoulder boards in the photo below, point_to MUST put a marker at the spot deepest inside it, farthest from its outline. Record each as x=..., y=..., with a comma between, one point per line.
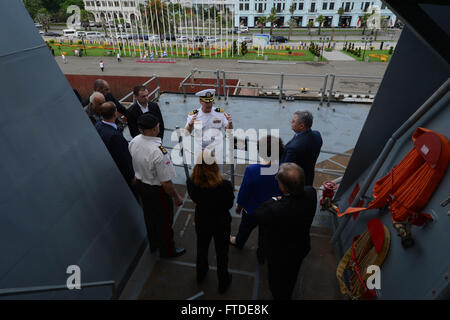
x=193, y=112
x=220, y=110
x=163, y=150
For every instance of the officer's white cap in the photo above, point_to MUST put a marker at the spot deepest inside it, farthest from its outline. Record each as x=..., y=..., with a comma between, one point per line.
x=206, y=95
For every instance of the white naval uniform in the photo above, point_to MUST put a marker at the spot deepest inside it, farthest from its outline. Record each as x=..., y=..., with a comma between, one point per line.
x=214, y=119
x=151, y=162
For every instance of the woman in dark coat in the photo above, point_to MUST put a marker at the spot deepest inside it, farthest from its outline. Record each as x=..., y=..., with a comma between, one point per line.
x=214, y=198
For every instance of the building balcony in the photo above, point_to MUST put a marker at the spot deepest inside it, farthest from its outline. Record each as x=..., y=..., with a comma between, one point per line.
x=312, y=10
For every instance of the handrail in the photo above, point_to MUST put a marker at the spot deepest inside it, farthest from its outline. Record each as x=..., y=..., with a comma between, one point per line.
x=232, y=174
x=19, y=291
x=158, y=88
x=426, y=106
x=184, y=81
x=222, y=85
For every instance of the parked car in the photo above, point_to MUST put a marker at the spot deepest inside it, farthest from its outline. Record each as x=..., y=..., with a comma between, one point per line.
x=69, y=33
x=198, y=39
x=279, y=39
x=52, y=34
x=182, y=39
x=243, y=29
x=211, y=39
x=143, y=37
x=94, y=35
x=170, y=37
x=38, y=25
x=234, y=30
x=80, y=34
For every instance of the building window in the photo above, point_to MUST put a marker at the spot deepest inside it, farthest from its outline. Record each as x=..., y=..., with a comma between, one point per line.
x=331, y=5
x=300, y=6
x=284, y=6
x=324, y=6
x=241, y=6
x=247, y=7
x=347, y=7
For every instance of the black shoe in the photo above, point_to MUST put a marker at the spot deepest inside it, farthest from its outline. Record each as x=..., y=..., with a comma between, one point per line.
x=224, y=288
x=177, y=252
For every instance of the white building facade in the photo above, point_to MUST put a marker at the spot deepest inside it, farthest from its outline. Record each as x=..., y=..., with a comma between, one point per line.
x=248, y=11
x=105, y=10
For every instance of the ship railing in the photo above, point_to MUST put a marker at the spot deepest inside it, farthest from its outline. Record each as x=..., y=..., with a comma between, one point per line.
x=232, y=174
x=325, y=92
x=156, y=93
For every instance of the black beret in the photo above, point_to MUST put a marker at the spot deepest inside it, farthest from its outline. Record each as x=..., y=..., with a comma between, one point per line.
x=147, y=121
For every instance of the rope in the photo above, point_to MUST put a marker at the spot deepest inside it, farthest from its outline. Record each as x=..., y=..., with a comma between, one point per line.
x=414, y=183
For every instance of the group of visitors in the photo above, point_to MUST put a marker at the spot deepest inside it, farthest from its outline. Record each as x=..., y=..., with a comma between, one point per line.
x=281, y=204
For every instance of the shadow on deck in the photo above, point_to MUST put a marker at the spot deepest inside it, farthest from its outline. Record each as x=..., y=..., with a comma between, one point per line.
x=166, y=279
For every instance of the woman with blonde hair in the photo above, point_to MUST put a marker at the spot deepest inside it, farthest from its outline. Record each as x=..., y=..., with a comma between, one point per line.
x=214, y=198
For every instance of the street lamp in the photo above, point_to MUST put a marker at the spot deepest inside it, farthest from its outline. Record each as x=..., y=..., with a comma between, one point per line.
x=323, y=39
x=366, y=39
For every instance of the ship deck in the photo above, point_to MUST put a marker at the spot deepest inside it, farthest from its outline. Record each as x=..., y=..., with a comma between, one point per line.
x=157, y=278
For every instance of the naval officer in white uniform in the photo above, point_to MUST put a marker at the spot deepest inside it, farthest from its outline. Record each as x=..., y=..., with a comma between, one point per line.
x=208, y=117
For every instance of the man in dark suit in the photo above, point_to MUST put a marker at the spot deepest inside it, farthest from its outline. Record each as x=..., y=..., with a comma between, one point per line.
x=102, y=86
x=286, y=221
x=115, y=142
x=304, y=148
x=141, y=106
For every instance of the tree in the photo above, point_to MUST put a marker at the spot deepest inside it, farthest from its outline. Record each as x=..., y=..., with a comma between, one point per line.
x=309, y=26
x=291, y=20
x=262, y=22
x=43, y=17
x=32, y=7
x=364, y=20
x=52, y=6
x=85, y=17
x=244, y=49
x=340, y=12
x=320, y=19
x=272, y=18
x=160, y=16
x=235, y=48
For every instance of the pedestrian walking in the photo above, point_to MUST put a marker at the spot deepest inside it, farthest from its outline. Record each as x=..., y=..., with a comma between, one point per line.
x=63, y=56
x=102, y=65
x=118, y=57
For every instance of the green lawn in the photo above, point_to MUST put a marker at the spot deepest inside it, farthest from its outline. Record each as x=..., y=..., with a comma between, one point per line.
x=272, y=55
x=371, y=52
